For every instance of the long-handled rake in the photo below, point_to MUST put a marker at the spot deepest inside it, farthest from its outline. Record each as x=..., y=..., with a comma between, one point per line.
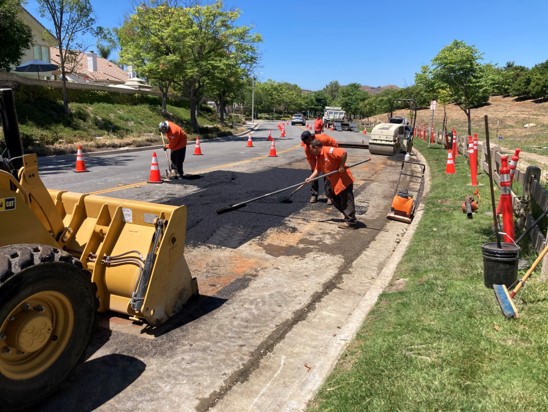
x=505, y=297
x=298, y=186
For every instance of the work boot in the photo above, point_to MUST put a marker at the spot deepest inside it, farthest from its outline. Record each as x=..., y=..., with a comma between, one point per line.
x=313, y=199
x=348, y=225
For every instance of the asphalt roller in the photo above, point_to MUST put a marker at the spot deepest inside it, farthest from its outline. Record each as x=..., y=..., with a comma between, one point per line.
x=386, y=139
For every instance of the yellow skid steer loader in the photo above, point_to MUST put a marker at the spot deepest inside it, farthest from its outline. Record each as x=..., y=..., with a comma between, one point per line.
x=63, y=257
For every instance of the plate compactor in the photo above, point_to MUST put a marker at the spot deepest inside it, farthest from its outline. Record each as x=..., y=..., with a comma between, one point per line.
x=404, y=202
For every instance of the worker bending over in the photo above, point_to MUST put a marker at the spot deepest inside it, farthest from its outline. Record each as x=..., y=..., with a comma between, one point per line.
x=326, y=140
x=177, y=141
x=329, y=159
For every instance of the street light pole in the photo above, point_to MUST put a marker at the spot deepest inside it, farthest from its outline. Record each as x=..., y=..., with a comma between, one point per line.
x=252, y=99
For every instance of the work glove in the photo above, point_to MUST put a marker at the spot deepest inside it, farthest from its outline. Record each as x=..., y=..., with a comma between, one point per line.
x=165, y=148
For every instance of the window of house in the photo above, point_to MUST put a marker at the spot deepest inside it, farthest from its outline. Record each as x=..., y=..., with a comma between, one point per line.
x=41, y=53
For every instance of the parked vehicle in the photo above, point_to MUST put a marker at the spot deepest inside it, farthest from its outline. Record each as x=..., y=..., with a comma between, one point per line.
x=335, y=117
x=298, y=118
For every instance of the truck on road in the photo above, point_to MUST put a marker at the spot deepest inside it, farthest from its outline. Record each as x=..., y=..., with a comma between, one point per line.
x=335, y=117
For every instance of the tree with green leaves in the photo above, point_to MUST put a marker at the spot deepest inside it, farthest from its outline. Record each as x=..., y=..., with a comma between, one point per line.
x=152, y=41
x=538, y=88
x=315, y=102
x=515, y=80
x=457, y=70
x=213, y=45
x=106, y=41
x=352, y=99
x=71, y=19
x=15, y=36
x=197, y=50
x=332, y=91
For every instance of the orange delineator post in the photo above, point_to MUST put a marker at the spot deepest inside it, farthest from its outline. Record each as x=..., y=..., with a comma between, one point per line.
x=154, y=176
x=506, y=200
x=450, y=166
x=80, y=164
x=475, y=140
x=513, y=165
x=472, y=161
x=455, y=146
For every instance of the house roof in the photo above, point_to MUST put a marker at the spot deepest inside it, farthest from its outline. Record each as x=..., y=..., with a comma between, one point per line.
x=104, y=70
x=39, y=33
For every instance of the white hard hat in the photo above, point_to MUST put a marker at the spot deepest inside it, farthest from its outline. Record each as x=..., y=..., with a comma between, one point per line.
x=163, y=126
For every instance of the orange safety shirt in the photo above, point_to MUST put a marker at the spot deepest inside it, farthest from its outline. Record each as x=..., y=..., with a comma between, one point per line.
x=329, y=160
x=326, y=141
x=176, y=137
x=318, y=125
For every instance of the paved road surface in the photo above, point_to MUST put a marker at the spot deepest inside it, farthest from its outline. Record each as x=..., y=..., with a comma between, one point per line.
x=282, y=289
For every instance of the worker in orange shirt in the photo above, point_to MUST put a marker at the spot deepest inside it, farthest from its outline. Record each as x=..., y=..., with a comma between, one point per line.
x=177, y=141
x=318, y=124
x=330, y=159
x=326, y=140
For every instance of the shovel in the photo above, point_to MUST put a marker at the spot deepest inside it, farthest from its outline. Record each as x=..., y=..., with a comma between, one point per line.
x=170, y=173
x=298, y=186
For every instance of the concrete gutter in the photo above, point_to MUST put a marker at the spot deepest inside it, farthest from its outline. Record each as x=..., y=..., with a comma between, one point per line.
x=290, y=376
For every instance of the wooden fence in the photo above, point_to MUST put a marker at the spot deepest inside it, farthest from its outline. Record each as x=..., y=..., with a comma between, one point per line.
x=534, y=198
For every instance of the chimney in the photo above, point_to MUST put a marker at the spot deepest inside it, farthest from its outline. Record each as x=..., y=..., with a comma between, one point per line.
x=92, y=61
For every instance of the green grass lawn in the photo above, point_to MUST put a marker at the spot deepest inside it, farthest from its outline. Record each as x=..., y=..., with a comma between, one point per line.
x=45, y=129
x=441, y=343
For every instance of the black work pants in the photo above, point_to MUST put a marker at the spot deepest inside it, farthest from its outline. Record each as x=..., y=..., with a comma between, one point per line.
x=315, y=187
x=177, y=160
x=344, y=203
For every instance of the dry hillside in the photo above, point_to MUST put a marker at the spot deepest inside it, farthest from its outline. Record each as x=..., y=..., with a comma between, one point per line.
x=512, y=123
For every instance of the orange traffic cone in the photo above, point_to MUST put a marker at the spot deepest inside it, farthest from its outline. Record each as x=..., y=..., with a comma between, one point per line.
x=364, y=131
x=270, y=139
x=272, y=150
x=283, y=132
x=450, y=167
x=80, y=164
x=197, y=150
x=154, y=176
x=249, y=141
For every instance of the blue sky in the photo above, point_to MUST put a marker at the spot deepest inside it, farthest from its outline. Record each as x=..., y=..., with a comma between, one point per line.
x=373, y=43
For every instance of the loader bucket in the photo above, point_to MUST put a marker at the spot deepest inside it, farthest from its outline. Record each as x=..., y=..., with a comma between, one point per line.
x=134, y=250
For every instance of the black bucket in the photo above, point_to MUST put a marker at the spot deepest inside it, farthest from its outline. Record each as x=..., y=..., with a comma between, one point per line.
x=500, y=265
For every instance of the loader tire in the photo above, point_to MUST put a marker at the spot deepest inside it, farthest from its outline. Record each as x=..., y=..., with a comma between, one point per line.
x=47, y=313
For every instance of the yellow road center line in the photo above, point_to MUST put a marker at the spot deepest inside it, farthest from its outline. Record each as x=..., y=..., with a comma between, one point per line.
x=208, y=170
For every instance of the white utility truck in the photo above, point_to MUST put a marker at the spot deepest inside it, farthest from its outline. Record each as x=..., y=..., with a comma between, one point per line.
x=335, y=117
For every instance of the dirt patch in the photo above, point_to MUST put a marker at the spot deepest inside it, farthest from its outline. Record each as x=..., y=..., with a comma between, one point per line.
x=396, y=285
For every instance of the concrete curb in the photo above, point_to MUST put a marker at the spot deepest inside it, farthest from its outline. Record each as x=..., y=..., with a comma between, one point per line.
x=155, y=147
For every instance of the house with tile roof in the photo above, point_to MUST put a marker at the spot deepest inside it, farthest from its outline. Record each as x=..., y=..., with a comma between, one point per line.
x=81, y=67
x=42, y=40
x=90, y=68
